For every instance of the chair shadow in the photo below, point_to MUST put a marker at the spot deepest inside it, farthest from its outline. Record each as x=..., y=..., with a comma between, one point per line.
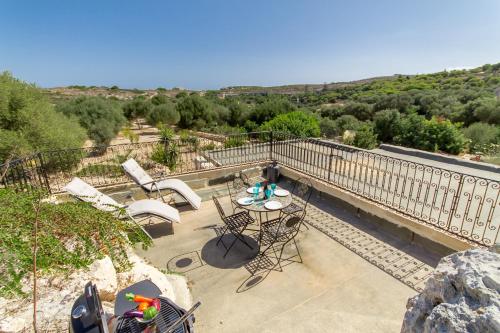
x=262, y=265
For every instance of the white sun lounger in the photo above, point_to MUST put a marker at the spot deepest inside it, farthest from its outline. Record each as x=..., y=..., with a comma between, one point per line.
x=137, y=173
x=85, y=192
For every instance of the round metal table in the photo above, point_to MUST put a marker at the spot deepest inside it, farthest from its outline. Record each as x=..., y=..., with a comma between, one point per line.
x=258, y=205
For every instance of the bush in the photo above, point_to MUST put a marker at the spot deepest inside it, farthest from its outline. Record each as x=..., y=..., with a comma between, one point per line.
x=297, y=123
x=166, y=154
x=160, y=99
x=347, y=122
x=436, y=134
x=365, y=137
x=195, y=112
x=487, y=110
x=234, y=141
x=481, y=136
x=271, y=108
x=328, y=128
x=102, y=118
x=90, y=232
x=137, y=108
x=29, y=123
x=387, y=124
x=361, y=111
x=163, y=113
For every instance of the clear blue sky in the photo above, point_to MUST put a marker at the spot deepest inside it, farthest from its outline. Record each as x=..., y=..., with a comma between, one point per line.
x=212, y=44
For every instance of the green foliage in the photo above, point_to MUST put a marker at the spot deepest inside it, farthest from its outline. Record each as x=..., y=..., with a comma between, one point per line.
x=347, y=122
x=387, y=124
x=328, y=128
x=91, y=233
x=297, y=123
x=271, y=108
x=208, y=146
x=166, y=154
x=194, y=112
x=186, y=139
x=163, y=113
x=96, y=170
x=436, y=134
x=361, y=111
x=160, y=99
x=482, y=136
x=101, y=118
x=130, y=135
x=166, y=133
x=234, y=141
x=137, y=108
x=365, y=137
x=488, y=110
x=28, y=121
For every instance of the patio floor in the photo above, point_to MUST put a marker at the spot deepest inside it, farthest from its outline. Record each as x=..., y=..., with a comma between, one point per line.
x=354, y=277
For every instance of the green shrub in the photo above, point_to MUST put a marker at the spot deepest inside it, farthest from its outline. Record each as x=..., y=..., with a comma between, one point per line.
x=234, y=141
x=195, y=112
x=347, y=122
x=481, y=136
x=70, y=236
x=166, y=133
x=208, y=146
x=29, y=123
x=137, y=108
x=387, y=124
x=166, y=154
x=163, y=113
x=328, y=128
x=365, y=137
x=298, y=123
x=436, y=134
x=102, y=118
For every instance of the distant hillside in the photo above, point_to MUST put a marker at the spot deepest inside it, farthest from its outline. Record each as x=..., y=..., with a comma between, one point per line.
x=59, y=93
x=299, y=88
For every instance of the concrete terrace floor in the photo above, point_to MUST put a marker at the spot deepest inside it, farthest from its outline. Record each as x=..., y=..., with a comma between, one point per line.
x=354, y=277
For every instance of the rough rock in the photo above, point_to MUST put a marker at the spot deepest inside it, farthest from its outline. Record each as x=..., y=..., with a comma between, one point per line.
x=57, y=293
x=462, y=295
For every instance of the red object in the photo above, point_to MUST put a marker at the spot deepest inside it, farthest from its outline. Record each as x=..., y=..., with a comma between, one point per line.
x=156, y=304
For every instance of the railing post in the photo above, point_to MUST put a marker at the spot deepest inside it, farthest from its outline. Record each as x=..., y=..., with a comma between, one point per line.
x=44, y=172
x=330, y=163
x=455, y=200
x=271, y=145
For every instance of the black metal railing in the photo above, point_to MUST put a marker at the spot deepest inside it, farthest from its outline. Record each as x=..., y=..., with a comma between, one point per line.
x=459, y=203
x=101, y=166
x=462, y=204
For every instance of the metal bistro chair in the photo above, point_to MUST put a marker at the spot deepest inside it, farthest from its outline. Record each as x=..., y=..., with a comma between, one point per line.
x=235, y=224
x=279, y=232
x=239, y=183
x=301, y=194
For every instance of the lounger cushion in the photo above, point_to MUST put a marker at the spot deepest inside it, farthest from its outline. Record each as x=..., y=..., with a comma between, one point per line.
x=142, y=178
x=154, y=207
x=136, y=172
x=87, y=193
x=183, y=189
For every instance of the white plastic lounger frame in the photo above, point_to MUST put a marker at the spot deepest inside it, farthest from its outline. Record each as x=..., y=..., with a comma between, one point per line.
x=149, y=185
x=83, y=191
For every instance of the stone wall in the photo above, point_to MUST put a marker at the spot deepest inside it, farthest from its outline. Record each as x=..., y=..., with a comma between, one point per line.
x=462, y=295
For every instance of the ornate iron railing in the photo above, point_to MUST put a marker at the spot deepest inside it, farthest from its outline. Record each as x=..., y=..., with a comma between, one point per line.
x=459, y=203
